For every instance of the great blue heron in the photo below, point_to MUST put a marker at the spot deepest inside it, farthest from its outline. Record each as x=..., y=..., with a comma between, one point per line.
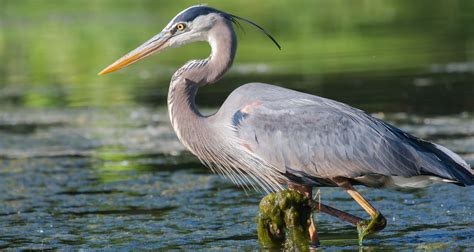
x=274, y=136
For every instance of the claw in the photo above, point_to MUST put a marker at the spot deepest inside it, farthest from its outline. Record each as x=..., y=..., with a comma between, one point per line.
x=367, y=227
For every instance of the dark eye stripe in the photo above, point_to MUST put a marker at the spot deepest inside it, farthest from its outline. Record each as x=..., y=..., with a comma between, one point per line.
x=174, y=30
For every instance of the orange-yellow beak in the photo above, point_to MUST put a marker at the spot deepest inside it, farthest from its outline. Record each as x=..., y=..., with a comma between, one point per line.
x=155, y=44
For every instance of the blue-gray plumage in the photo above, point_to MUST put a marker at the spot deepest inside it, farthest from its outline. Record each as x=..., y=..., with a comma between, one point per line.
x=274, y=136
x=314, y=139
x=237, y=118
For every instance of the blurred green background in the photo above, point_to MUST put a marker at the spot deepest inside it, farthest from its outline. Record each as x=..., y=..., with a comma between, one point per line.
x=50, y=52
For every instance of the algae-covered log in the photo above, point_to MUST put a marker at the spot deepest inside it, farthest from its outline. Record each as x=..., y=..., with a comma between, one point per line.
x=283, y=220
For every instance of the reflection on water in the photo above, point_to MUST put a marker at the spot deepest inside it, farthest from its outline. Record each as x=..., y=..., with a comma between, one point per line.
x=95, y=178
x=91, y=162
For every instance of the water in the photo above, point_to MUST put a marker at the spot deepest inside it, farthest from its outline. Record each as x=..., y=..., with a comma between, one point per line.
x=92, y=162
x=110, y=178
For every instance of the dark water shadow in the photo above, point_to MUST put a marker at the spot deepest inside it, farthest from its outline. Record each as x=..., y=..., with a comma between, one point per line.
x=156, y=212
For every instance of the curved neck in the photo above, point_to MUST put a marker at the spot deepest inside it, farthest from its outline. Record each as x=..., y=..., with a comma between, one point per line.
x=192, y=128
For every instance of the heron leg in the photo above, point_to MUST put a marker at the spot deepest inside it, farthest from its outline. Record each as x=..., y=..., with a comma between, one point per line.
x=313, y=231
x=347, y=217
x=365, y=227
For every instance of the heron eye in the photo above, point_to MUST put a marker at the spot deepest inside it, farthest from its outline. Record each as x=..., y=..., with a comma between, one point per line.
x=180, y=26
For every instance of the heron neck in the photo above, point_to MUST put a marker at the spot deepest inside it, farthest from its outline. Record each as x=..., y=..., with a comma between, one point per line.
x=192, y=128
x=224, y=45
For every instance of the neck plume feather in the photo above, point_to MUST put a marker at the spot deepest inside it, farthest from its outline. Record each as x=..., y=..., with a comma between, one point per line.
x=206, y=138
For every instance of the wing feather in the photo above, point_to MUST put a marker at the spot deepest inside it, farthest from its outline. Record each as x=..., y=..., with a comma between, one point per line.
x=321, y=138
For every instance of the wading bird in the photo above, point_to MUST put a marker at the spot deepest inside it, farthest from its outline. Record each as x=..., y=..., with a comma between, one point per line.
x=273, y=136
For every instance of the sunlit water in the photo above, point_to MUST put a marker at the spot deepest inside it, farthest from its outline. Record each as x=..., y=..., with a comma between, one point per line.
x=118, y=178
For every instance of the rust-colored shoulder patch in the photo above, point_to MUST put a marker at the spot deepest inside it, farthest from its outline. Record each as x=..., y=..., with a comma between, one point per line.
x=241, y=114
x=247, y=146
x=250, y=107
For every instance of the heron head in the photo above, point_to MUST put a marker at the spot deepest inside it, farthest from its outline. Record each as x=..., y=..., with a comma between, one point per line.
x=190, y=25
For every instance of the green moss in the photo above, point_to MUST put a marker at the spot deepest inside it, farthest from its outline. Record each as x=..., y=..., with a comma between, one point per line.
x=367, y=227
x=283, y=220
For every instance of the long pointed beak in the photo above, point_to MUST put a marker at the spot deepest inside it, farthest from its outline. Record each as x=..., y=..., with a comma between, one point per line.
x=155, y=44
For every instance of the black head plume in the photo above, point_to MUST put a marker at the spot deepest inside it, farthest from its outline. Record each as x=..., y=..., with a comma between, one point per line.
x=235, y=19
x=195, y=11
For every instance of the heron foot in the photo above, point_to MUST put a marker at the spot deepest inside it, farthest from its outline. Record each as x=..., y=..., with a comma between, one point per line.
x=313, y=246
x=367, y=227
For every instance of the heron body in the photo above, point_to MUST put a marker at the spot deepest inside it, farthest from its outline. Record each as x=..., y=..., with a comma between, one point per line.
x=275, y=136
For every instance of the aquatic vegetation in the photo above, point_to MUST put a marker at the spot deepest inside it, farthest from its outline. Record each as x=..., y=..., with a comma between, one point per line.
x=283, y=220
x=367, y=227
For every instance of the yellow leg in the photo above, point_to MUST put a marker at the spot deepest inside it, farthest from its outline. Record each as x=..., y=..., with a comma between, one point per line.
x=346, y=184
x=366, y=227
x=362, y=201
